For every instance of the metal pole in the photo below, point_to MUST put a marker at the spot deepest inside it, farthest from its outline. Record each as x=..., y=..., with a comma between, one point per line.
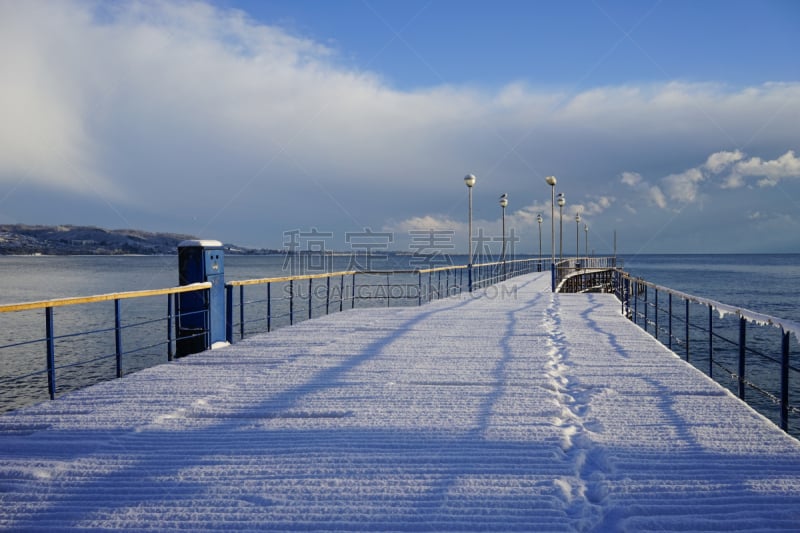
x=540, y=241
x=687, y=330
x=118, y=336
x=328, y=295
x=503, y=253
x=228, y=315
x=710, y=341
x=561, y=229
x=742, y=351
x=469, y=239
x=241, y=313
x=586, y=229
x=51, y=352
x=670, y=321
x=785, y=380
x=553, y=224
x=170, y=353
x=341, y=294
x=656, y=312
x=269, y=307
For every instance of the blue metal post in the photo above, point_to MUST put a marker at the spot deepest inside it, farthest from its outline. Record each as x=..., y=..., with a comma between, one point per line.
x=742, y=351
x=353, y=294
x=710, y=341
x=656, y=312
x=328, y=295
x=291, y=302
x=269, y=307
x=310, y=294
x=341, y=294
x=170, y=353
x=419, y=288
x=670, y=321
x=388, y=291
x=469, y=277
x=118, y=336
x=51, y=352
x=687, y=330
x=241, y=313
x=784, y=380
x=229, y=313
x=646, y=290
x=553, y=277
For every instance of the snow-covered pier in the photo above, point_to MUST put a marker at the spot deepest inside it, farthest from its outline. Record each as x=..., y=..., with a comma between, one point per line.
x=510, y=409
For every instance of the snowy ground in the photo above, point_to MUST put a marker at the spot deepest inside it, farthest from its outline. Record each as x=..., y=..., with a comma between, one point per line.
x=526, y=411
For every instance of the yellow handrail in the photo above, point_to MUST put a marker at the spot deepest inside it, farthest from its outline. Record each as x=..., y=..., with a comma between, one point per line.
x=60, y=302
x=259, y=281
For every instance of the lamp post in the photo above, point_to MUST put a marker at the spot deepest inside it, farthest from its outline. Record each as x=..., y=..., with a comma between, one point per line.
x=551, y=181
x=503, y=204
x=577, y=236
x=539, y=220
x=469, y=180
x=561, y=201
x=586, y=229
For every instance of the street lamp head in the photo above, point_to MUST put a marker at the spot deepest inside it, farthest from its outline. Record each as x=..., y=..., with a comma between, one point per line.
x=578, y=218
x=551, y=180
x=503, y=200
x=561, y=199
x=469, y=179
x=539, y=218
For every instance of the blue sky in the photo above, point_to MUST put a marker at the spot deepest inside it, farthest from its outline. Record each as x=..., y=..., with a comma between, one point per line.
x=674, y=123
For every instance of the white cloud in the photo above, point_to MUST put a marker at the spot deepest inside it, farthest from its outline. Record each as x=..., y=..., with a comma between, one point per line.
x=594, y=206
x=631, y=179
x=425, y=223
x=771, y=172
x=684, y=187
x=656, y=196
x=720, y=161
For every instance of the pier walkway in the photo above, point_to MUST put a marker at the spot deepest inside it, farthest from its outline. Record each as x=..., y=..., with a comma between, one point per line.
x=513, y=409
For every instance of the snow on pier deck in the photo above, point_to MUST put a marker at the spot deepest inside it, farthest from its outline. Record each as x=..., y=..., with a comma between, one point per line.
x=518, y=411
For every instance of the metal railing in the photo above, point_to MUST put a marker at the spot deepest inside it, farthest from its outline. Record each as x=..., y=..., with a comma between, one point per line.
x=283, y=301
x=580, y=274
x=72, y=355
x=133, y=341
x=755, y=352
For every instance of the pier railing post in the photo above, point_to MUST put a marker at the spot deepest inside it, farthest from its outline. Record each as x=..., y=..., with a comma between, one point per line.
x=469, y=268
x=170, y=352
x=710, y=341
x=784, y=380
x=553, y=277
x=51, y=352
x=118, y=336
x=229, y=313
x=742, y=352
